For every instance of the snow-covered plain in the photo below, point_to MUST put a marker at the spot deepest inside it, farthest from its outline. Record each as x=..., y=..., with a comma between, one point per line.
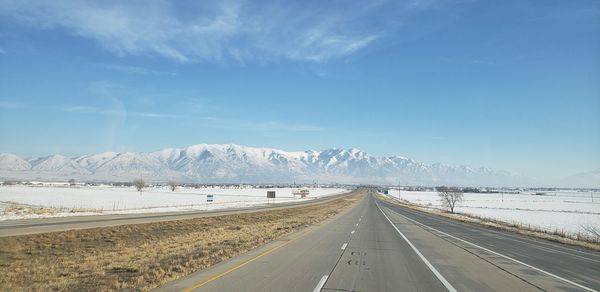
x=565, y=211
x=94, y=200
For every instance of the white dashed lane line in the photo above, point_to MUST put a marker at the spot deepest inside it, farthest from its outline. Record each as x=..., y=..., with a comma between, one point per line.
x=321, y=283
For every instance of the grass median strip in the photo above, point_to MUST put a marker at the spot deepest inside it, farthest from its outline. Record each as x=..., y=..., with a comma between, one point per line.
x=143, y=256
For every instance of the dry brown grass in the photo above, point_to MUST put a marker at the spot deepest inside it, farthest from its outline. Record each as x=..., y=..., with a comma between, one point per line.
x=556, y=236
x=85, y=210
x=141, y=257
x=13, y=208
x=22, y=209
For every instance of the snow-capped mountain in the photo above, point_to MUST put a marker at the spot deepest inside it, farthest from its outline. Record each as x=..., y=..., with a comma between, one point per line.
x=235, y=163
x=11, y=162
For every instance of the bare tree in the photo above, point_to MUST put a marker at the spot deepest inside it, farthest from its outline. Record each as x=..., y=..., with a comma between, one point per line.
x=450, y=197
x=9, y=183
x=139, y=184
x=173, y=185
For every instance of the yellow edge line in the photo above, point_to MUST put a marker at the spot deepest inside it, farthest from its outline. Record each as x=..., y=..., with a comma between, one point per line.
x=238, y=266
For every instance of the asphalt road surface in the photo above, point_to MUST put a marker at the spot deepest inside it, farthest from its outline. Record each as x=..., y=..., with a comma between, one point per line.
x=377, y=246
x=32, y=226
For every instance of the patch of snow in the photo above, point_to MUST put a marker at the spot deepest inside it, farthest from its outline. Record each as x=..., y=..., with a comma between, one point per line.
x=123, y=200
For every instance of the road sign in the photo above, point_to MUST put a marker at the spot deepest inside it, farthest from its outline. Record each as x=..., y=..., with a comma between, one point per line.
x=270, y=194
x=209, y=198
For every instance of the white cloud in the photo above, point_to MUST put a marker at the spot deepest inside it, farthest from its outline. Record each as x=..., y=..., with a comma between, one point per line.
x=221, y=30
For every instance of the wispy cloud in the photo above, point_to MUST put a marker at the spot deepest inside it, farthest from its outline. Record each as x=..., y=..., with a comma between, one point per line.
x=208, y=121
x=136, y=70
x=262, y=126
x=482, y=62
x=83, y=109
x=155, y=115
x=461, y=61
x=220, y=30
x=10, y=104
x=277, y=126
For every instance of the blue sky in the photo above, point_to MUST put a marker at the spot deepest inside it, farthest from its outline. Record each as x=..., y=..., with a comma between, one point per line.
x=512, y=85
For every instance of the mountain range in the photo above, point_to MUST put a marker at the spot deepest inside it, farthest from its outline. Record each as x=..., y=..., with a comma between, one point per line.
x=220, y=163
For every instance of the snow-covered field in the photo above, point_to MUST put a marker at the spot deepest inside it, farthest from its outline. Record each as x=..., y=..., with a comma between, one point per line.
x=92, y=200
x=567, y=211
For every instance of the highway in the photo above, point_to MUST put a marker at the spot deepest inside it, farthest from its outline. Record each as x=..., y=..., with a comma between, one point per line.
x=377, y=246
x=573, y=267
x=43, y=225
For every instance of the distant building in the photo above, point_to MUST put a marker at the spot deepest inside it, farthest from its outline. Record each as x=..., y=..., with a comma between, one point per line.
x=303, y=193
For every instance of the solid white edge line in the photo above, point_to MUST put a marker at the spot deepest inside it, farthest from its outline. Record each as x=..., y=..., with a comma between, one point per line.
x=321, y=283
x=504, y=256
x=344, y=246
x=427, y=263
